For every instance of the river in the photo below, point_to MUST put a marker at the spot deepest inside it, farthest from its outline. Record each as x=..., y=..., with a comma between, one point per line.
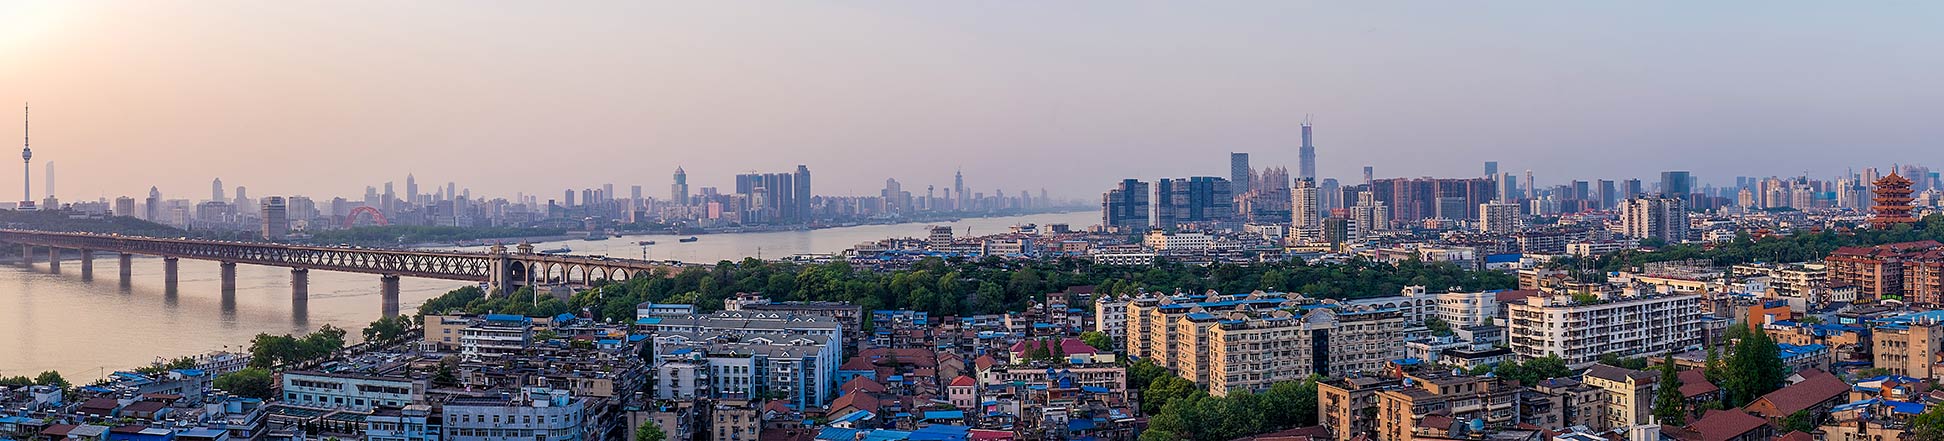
x=86, y=328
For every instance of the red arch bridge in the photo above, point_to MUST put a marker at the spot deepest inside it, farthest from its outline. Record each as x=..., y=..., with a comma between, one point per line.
x=502, y=270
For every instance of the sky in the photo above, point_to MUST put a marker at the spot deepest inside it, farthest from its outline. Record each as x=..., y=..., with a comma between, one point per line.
x=324, y=98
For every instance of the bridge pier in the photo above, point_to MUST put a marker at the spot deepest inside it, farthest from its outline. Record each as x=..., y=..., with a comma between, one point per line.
x=87, y=264
x=127, y=265
x=169, y=272
x=299, y=285
x=388, y=292
x=229, y=276
x=54, y=260
x=27, y=256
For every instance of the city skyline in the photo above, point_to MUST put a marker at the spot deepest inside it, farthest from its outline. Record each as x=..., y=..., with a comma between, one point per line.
x=1015, y=95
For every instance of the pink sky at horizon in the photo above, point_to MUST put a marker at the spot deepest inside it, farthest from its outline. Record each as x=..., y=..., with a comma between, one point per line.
x=325, y=98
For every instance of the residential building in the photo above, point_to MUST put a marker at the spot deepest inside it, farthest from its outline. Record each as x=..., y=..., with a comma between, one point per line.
x=350, y=391
x=1663, y=218
x=1630, y=393
x=1581, y=328
x=538, y=414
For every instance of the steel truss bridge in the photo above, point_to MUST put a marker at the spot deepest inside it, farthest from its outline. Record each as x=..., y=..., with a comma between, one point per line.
x=502, y=270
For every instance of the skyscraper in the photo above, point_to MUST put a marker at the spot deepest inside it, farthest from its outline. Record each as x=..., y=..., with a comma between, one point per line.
x=411, y=190
x=1303, y=210
x=1192, y=200
x=958, y=190
x=1240, y=174
x=1124, y=209
x=152, y=208
x=216, y=190
x=1676, y=184
x=802, y=199
x=1631, y=188
x=1608, y=195
x=679, y=191
x=1369, y=175
x=1491, y=169
x=1307, y=155
x=276, y=218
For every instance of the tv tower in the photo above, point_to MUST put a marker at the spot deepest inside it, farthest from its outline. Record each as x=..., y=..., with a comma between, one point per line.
x=26, y=158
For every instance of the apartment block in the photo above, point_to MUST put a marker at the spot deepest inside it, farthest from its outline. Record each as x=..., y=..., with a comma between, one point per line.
x=1581, y=328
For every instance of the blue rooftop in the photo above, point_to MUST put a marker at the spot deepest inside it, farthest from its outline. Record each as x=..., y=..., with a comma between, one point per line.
x=508, y=318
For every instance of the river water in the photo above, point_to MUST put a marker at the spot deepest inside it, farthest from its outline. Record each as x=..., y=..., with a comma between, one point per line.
x=87, y=328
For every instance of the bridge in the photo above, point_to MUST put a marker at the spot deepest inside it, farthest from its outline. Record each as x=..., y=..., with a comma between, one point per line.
x=502, y=270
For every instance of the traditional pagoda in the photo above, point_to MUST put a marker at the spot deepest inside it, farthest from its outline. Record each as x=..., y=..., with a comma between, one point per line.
x=1892, y=202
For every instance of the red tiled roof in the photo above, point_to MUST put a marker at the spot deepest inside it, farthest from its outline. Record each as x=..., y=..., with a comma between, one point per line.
x=964, y=381
x=1695, y=383
x=1514, y=295
x=857, y=364
x=856, y=402
x=1816, y=387
x=1795, y=436
x=860, y=384
x=1724, y=425
x=984, y=361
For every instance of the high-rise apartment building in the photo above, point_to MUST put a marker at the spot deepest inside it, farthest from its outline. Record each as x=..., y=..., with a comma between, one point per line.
x=1249, y=342
x=1498, y=218
x=1415, y=199
x=1125, y=208
x=1663, y=218
x=1303, y=209
x=1580, y=331
x=125, y=206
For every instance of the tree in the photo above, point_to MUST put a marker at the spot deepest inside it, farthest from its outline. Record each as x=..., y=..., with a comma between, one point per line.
x=649, y=431
x=1927, y=426
x=1715, y=370
x=1533, y=371
x=387, y=329
x=249, y=382
x=445, y=376
x=1669, y=404
x=1754, y=369
x=1098, y=340
x=1800, y=421
x=51, y=378
x=1438, y=326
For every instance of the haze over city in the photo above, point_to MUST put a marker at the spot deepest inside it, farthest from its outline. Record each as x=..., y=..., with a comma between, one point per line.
x=328, y=98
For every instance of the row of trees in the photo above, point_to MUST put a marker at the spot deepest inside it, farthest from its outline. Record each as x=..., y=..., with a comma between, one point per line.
x=1181, y=410
x=46, y=378
x=268, y=351
x=953, y=287
x=1802, y=246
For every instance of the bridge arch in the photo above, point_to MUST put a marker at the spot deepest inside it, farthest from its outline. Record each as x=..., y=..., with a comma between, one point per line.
x=351, y=219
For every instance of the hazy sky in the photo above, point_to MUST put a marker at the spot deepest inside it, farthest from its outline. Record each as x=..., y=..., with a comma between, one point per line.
x=324, y=98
